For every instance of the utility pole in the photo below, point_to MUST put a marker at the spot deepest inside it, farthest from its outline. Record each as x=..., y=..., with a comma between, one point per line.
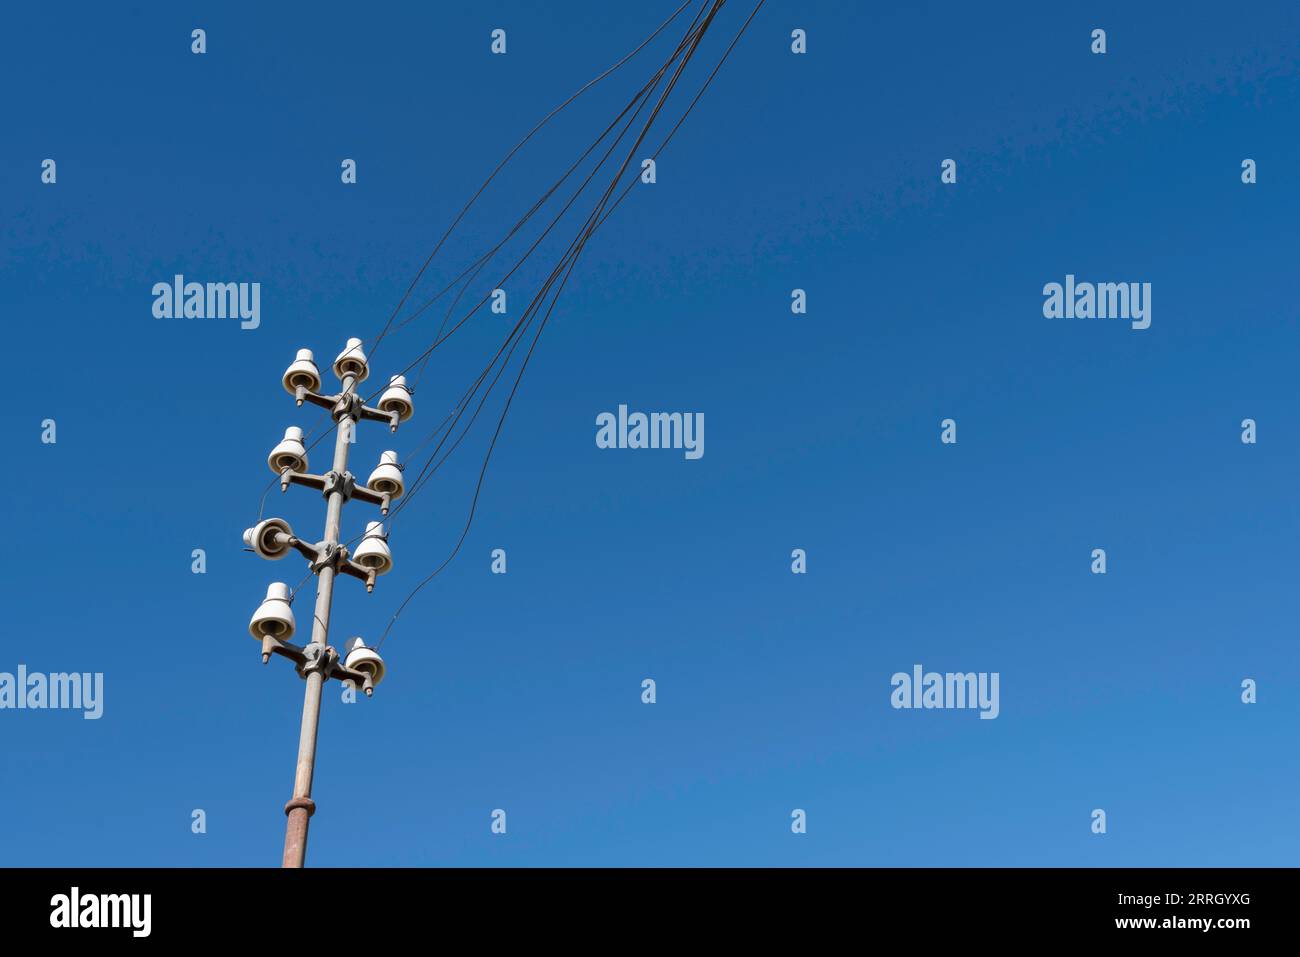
x=273, y=622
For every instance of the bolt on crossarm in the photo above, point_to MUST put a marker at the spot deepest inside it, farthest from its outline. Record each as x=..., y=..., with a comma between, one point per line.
x=273, y=623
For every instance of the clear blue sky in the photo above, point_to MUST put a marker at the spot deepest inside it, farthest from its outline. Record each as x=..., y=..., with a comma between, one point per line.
x=522, y=691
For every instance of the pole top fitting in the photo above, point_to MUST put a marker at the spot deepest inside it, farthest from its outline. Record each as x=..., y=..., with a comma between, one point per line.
x=348, y=404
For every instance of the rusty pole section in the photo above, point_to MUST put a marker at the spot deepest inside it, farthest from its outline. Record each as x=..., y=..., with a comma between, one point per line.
x=301, y=807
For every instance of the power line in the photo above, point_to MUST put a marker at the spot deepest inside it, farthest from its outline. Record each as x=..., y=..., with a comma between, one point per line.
x=594, y=220
x=691, y=35
x=546, y=119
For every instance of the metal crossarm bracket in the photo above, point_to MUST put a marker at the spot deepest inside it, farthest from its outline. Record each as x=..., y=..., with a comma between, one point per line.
x=306, y=549
x=285, y=649
x=289, y=477
x=329, y=555
x=364, y=493
x=317, y=658
x=379, y=415
x=359, y=679
x=324, y=401
x=342, y=482
x=348, y=405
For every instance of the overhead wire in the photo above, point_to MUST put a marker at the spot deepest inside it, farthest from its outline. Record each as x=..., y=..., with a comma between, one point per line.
x=597, y=218
x=518, y=146
x=647, y=87
x=510, y=342
x=468, y=396
x=527, y=312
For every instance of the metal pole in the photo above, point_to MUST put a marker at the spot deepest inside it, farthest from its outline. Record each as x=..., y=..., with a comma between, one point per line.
x=302, y=807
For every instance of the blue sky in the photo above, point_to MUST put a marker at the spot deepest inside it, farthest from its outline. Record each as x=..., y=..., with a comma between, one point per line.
x=522, y=691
